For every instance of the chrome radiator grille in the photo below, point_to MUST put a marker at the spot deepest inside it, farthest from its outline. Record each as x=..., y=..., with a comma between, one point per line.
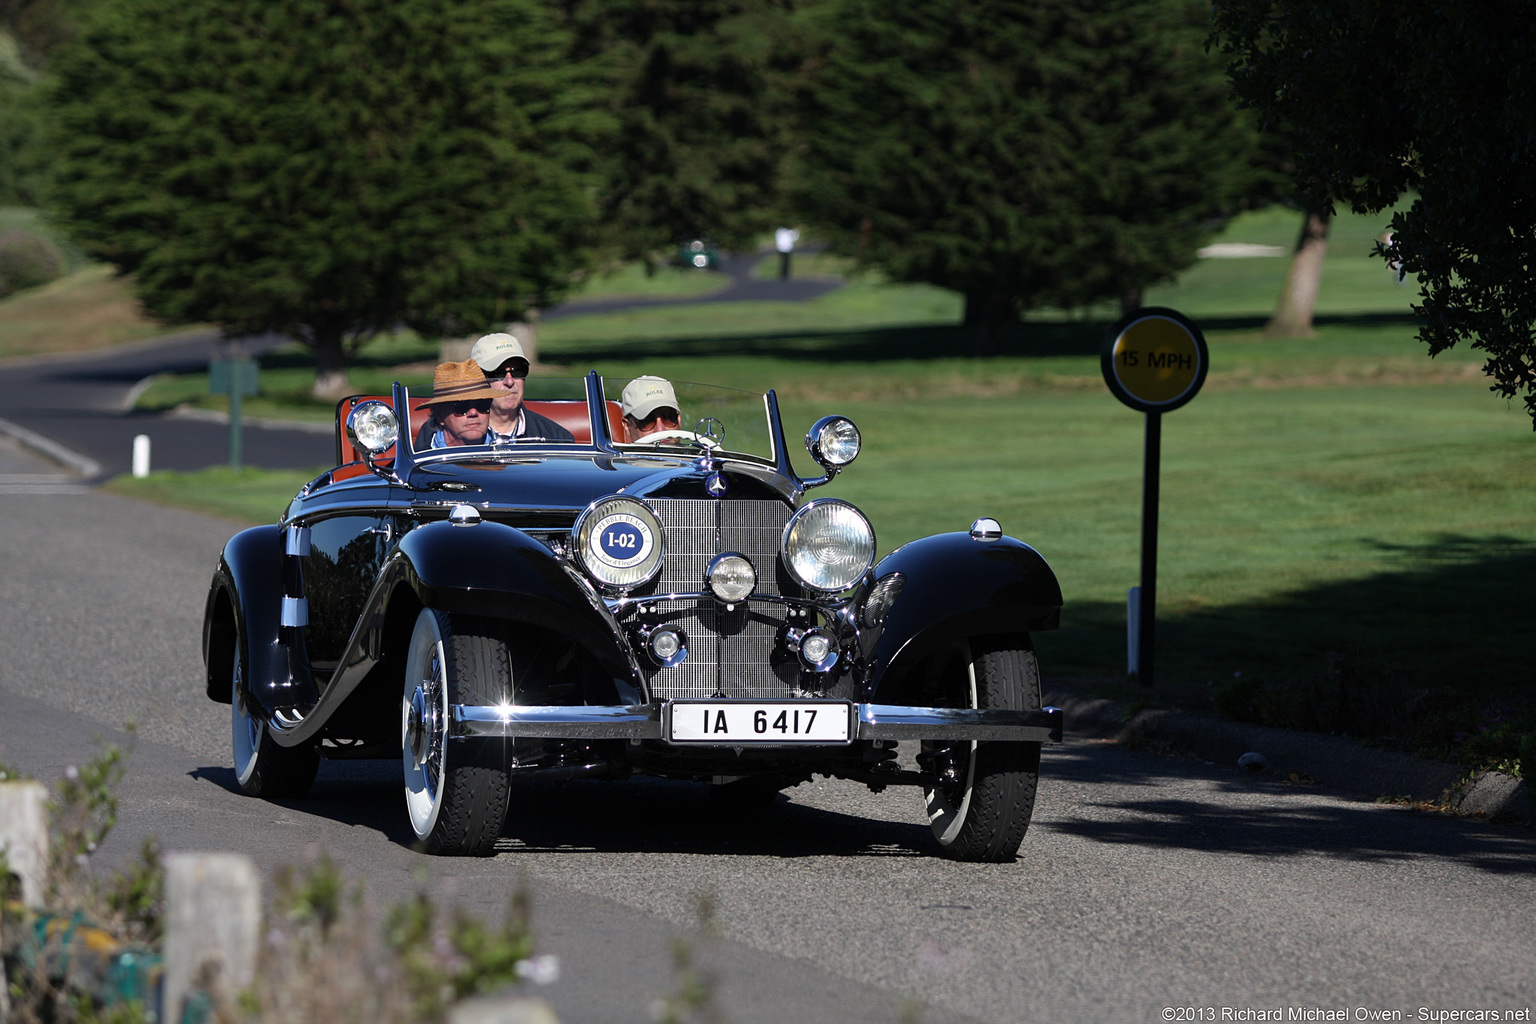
x=728, y=652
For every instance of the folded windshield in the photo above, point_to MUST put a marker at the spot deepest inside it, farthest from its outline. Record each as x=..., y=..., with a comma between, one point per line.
x=660, y=414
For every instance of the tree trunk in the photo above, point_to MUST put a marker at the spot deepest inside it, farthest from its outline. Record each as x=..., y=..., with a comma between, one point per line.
x=331, y=383
x=1298, y=296
x=527, y=334
x=989, y=314
x=1130, y=300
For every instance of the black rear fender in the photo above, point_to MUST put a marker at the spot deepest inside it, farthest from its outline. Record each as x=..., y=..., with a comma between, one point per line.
x=245, y=599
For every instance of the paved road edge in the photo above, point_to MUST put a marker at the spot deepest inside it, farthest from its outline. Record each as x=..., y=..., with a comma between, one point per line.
x=85, y=467
x=1335, y=762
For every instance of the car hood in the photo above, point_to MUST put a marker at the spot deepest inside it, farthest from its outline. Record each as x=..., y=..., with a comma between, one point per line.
x=573, y=481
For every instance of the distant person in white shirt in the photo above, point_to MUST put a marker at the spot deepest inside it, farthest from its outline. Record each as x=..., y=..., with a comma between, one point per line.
x=784, y=240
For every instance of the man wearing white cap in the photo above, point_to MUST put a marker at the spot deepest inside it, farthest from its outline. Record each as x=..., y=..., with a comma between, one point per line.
x=650, y=406
x=502, y=361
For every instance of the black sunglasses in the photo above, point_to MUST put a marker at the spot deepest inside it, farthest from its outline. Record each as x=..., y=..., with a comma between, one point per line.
x=460, y=408
x=518, y=372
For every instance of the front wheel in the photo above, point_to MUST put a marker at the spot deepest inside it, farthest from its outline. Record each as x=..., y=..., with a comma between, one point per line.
x=455, y=789
x=980, y=807
x=263, y=767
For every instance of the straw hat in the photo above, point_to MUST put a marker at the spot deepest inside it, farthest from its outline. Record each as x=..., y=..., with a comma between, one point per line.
x=457, y=382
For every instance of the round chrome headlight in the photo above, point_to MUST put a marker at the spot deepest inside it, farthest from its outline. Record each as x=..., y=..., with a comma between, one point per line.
x=619, y=542
x=372, y=427
x=828, y=545
x=833, y=441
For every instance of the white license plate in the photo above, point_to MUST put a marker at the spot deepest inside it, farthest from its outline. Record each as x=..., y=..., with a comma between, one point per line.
x=737, y=722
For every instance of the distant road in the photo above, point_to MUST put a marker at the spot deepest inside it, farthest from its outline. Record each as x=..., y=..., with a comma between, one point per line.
x=77, y=401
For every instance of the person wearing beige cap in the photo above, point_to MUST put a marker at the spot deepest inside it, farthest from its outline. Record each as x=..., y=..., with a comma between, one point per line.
x=650, y=407
x=501, y=358
x=461, y=407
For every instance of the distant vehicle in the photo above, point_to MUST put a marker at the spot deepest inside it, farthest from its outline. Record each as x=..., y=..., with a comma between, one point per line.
x=601, y=607
x=698, y=254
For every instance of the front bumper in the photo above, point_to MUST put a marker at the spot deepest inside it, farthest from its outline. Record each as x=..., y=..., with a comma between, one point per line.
x=644, y=722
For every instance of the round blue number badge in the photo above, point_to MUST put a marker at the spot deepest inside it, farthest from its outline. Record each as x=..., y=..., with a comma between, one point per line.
x=622, y=540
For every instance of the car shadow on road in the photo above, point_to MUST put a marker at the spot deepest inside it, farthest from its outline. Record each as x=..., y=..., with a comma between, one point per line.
x=645, y=815
x=1286, y=821
x=361, y=794
x=639, y=815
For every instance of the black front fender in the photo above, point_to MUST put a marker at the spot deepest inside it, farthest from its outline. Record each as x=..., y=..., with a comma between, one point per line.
x=500, y=572
x=956, y=588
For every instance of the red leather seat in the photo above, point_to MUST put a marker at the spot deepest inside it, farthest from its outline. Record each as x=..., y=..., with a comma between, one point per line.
x=570, y=414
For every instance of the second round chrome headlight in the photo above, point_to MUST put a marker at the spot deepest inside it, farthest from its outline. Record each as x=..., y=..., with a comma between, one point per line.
x=833, y=442
x=618, y=542
x=372, y=427
x=828, y=545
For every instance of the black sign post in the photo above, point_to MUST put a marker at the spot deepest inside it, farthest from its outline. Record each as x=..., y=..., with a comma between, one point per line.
x=1154, y=361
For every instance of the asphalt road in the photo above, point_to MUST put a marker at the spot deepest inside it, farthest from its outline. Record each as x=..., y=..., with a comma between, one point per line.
x=1145, y=882
x=77, y=402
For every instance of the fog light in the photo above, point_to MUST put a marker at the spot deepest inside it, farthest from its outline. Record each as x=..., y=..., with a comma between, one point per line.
x=668, y=646
x=731, y=577
x=881, y=596
x=818, y=651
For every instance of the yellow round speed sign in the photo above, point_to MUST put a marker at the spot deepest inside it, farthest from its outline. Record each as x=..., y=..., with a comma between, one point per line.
x=1154, y=360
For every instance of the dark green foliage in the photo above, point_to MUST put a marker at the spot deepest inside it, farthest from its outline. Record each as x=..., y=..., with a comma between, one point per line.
x=323, y=168
x=694, y=149
x=26, y=261
x=1386, y=100
x=1022, y=153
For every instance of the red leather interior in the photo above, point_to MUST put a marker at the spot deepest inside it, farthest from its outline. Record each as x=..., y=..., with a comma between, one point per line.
x=572, y=415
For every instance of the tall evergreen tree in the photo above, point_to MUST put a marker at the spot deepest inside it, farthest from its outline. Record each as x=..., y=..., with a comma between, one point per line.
x=695, y=150
x=323, y=168
x=1022, y=152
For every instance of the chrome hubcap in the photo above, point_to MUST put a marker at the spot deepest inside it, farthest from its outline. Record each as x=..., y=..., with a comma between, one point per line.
x=420, y=725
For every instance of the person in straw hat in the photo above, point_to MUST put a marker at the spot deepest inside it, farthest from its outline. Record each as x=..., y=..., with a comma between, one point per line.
x=461, y=407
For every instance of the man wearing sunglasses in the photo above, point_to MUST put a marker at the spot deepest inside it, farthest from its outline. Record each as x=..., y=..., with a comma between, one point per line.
x=461, y=407
x=501, y=359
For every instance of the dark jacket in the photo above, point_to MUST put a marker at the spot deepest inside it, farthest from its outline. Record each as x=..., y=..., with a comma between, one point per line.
x=536, y=425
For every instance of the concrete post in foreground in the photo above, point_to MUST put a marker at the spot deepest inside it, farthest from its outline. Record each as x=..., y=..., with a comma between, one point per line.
x=502, y=1010
x=212, y=921
x=24, y=836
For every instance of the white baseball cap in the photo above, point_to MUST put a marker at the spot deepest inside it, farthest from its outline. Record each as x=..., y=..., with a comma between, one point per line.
x=644, y=395
x=493, y=350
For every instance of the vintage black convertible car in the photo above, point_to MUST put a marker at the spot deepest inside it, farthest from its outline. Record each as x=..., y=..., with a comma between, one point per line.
x=602, y=607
